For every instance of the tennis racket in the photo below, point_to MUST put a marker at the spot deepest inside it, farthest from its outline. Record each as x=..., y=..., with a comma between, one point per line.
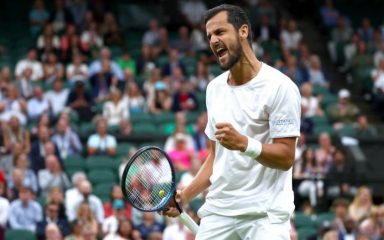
x=148, y=183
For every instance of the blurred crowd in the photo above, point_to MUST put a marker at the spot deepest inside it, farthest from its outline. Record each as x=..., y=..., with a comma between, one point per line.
x=84, y=87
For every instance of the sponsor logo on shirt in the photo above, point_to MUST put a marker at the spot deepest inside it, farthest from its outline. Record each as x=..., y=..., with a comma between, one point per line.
x=282, y=122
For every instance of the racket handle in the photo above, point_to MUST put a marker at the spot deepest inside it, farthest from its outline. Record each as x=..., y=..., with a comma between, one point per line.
x=188, y=221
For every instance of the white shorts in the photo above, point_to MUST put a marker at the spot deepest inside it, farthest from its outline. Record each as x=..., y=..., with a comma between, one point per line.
x=217, y=227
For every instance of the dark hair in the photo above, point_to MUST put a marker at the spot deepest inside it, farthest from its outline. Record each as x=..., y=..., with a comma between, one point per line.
x=235, y=16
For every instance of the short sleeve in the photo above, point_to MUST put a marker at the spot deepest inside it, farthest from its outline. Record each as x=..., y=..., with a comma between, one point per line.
x=93, y=141
x=111, y=142
x=284, y=114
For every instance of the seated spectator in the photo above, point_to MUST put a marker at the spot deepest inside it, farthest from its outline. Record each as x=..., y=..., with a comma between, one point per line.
x=116, y=194
x=73, y=194
x=15, y=182
x=291, y=36
x=66, y=140
x=52, y=232
x=57, y=97
x=53, y=70
x=343, y=111
x=21, y=162
x=77, y=70
x=317, y=75
x=102, y=82
x=199, y=136
x=43, y=121
x=60, y=17
x=184, y=99
x=14, y=105
x=340, y=207
x=309, y=104
x=362, y=128
x=134, y=97
x=13, y=133
x=24, y=84
x=4, y=206
x=198, y=39
x=38, y=153
x=324, y=154
x=266, y=31
x=125, y=230
x=193, y=11
x=111, y=223
x=173, y=62
x=366, y=31
x=329, y=14
x=183, y=43
x=80, y=100
x=362, y=205
x=94, y=202
x=378, y=88
x=37, y=105
x=78, y=9
x=38, y=17
x=113, y=37
x=292, y=70
x=24, y=212
x=48, y=35
x=96, y=66
x=151, y=36
x=362, y=58
x=150, y=82
x=161, y=101
x=51, y=216
x=56, y=196
x=86, y=218
x=76, y=231
x=91, y=39
x=101, y=143
x=70, y=44
x=202, y=77
x=162, y=47
x=149, y=225
x=188, y=176
x=180, y=155
x=115, y=110
x=341, y=176
x=176, y=230
x=126, y=62
x=30, y=62
x=52, y=176
x=179, y=126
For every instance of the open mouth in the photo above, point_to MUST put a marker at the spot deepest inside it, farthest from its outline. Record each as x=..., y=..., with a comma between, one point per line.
x=221, y=51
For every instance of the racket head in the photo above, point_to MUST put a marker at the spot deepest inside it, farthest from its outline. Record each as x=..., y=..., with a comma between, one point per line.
x=148, y=181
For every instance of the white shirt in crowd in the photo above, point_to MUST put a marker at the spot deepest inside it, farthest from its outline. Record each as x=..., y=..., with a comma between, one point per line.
x=57, y=100
x=115, y=113
x=266, y=107
x=4, y=211
x=311, y=105
x=36, y=66
x=37, y=107
x=291, y=40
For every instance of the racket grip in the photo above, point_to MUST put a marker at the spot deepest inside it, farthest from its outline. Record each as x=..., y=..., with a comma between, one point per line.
x=188, y=221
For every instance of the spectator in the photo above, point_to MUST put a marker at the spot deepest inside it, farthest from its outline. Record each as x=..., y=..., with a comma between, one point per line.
x=78, y=10
x=340, y=207
x=199, y=136
x=52, y=176
x=21, y=162
x=183, y=43
x=56, y=196
x=76, y=233
x=175, y=231
x=30, y=62
x=149, y=84
x=266, y=32
x=66, y=140
x=161, y=101
x=341, y=176
x=294, y=71
x=149, y=225
x=53, y=70
x=37, y=105
x=38, y=153
x=193, y=11
x=113, y=37
x=13, y=133
x=188, y=176
x=51, y=216
x=324, y=154
x=329, y=14
x=103, y=81
x=25, y=212
x=60, y=17
x=77, y=70
x=80, y=100
x=48, y=36
x=125, y=231
x=362, y=205
x=126, y=62
x=343, y=111
x=365, y=31
x=117, y=194
x=105, y=55
x=38, y=17
x=179, y=126
x=91, y=39
x=151, y=36
x=52, y=232
x=378, y=88
x=4, y=206
x=14, y=105
x=111, y=223
x=73, y=194
x=86, y=218
x=57, y=97
x=134, y=97
x=16, y=183
x=362, y=128
x=24, y=85
x=101, y=143
x=184, y=99
x=85, y=189
x=180, y=155
x=379, y=55
x=310, y=106
x=70, y=44
x=107, y=21
x=361, y=58
x=317, y=75
x=201, y=78
x=198, y=39
x=173, y=63
x=291, y=36
x=115, y=111
x=265, y=8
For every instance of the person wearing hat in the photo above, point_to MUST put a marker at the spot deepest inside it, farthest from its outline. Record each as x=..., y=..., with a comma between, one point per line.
x=111, y=223
x=343, y=111
x=161, y=101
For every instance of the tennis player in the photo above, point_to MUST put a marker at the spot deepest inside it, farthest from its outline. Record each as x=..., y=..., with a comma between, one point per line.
x=253, y=122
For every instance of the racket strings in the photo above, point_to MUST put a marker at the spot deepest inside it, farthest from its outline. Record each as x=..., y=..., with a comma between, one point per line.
x=149, y=180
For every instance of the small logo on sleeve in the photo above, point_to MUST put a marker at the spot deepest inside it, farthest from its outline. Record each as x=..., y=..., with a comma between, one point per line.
x=282, y=122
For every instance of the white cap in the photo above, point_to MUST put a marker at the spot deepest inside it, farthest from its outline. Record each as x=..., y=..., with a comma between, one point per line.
x=180, y=137
x=344, y=93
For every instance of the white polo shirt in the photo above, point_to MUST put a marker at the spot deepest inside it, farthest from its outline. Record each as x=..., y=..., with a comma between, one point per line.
x=264, y=108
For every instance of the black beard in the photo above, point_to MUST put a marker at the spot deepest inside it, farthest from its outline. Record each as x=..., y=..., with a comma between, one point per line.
x=233, y=58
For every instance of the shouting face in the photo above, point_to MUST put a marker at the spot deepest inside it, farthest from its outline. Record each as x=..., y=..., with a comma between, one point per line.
x=224, y=40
